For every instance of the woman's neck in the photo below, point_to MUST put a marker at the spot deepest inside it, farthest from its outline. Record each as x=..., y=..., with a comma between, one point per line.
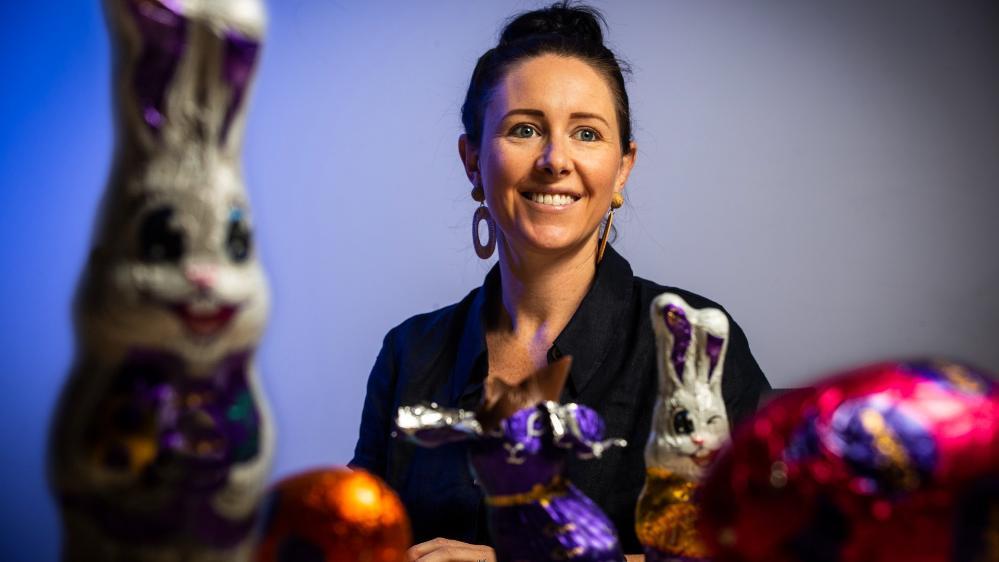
x=541, y=292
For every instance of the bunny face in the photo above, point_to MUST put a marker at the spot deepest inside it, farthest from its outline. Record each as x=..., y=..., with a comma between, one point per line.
x=174, y=266
x=181, y=271
x=690, y=423
x=692, y=426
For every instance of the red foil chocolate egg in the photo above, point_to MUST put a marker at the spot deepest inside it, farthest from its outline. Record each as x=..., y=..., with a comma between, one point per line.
x=892, y=462
x=334, y=515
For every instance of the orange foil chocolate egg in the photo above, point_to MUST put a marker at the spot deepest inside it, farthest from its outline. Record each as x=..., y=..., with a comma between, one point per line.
x=334, y=515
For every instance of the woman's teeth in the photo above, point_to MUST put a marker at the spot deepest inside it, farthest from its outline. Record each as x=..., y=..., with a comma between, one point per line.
x=555, y=200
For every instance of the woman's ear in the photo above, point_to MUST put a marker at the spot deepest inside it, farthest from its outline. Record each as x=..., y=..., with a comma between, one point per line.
x=469, y=158
x=627, y=163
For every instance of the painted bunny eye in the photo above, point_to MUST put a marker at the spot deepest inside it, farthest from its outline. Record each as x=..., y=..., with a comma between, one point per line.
x=682, y=424
x=160, y=239
x=714, y=419
x=237, y=241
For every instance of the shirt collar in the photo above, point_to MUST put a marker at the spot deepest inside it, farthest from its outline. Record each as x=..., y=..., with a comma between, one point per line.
x=470, y=365
x=587, y=337
x=591, y=331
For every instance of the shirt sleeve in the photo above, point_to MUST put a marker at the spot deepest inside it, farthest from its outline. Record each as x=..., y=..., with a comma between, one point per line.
x=744, y=381
x=370, y=453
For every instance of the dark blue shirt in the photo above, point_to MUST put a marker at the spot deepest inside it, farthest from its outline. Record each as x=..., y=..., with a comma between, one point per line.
x=441, y=356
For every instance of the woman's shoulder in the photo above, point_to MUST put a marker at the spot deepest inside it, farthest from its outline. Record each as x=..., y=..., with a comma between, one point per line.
x=428, y=330
x=647, y=290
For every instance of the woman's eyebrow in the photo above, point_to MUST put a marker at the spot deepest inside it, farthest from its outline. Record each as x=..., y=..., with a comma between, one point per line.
x=588, y=116
x=532, y=112
x=539, y=113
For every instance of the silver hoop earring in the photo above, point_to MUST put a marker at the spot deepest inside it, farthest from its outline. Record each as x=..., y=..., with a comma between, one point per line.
x=486, y=250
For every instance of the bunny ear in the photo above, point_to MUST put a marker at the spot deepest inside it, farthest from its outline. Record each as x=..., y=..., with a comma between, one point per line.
x=678, y=325
x=240, y=58
x=162, y=42
x=691, y=342
x=551, y=380
x=502, y=398
x=713, y=347
x=186, y=68
x=712, y=328
x=673, y=337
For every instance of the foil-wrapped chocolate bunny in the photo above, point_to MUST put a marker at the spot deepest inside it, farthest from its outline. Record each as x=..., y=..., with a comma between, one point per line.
x=689, y=425
x=518, y=441
x=162, y=439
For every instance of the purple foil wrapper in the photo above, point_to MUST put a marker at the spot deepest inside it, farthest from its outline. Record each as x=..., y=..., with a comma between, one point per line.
x=534, y=513
x=713, y=347
x=679, y=326
x=164, y=38
x=189, y=413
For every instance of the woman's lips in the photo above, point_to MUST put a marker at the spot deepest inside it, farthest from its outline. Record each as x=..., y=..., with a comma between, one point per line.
x=204, y=322
x=550, y=200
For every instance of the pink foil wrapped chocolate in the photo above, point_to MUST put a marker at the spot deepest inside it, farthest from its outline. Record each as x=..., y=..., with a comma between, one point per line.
x=891, y=462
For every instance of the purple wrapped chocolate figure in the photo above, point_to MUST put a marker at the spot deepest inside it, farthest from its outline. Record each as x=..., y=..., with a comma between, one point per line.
x=518, y=442
x=162, y=441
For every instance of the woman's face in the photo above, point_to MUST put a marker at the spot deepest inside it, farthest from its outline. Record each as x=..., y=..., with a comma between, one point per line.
x=550, y=158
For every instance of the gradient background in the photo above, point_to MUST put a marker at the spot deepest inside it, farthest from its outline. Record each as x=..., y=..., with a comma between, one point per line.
x=827, y=170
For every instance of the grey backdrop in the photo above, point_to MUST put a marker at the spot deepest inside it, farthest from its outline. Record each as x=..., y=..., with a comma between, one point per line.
x=826, y=170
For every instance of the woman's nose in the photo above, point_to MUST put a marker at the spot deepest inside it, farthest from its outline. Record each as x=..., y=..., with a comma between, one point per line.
x=554, y=161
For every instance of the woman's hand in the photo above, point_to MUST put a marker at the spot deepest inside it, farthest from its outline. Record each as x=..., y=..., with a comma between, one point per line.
x=446, y=550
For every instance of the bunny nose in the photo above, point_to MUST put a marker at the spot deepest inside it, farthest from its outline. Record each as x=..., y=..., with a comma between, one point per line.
x=697, y=441
x=201, y=276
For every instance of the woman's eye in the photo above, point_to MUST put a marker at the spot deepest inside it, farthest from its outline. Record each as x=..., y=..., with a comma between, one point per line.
x=588, y=135
x=523, y=131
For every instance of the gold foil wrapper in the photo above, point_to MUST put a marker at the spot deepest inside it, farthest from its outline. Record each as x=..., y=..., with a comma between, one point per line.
x=666, y=516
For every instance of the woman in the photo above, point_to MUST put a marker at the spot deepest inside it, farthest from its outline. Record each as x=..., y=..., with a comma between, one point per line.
x=547, y=149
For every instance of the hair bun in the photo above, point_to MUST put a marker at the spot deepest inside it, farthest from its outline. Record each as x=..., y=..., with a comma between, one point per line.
x=581, y=23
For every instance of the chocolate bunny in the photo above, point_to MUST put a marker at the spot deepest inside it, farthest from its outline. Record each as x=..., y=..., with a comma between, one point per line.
x=689, y=425
x=162, y=439
x=518, y=442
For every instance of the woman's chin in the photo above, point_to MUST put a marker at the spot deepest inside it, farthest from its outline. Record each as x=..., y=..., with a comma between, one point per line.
x=551, y=240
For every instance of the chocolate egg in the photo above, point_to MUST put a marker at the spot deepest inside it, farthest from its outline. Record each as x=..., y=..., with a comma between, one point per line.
x=334, y=515
x=895, y=461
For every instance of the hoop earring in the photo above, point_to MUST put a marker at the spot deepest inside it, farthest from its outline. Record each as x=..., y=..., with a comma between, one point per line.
x=616, y=203
x=484, y=251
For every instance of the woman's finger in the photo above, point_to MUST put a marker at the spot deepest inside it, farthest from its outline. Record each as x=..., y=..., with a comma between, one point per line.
x=446, y=550
x=418, y=550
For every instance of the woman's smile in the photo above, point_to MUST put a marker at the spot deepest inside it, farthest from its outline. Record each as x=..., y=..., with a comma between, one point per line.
x=549, y=201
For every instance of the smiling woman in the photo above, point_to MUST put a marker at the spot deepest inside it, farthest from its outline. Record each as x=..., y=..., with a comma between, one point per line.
x=550, y=161
x=548, y=151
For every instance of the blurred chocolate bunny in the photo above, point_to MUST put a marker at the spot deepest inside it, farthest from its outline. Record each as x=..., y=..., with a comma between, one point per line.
x=162, y=439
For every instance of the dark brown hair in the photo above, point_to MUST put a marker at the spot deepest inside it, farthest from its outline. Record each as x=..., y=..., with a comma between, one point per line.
x=560, y=29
